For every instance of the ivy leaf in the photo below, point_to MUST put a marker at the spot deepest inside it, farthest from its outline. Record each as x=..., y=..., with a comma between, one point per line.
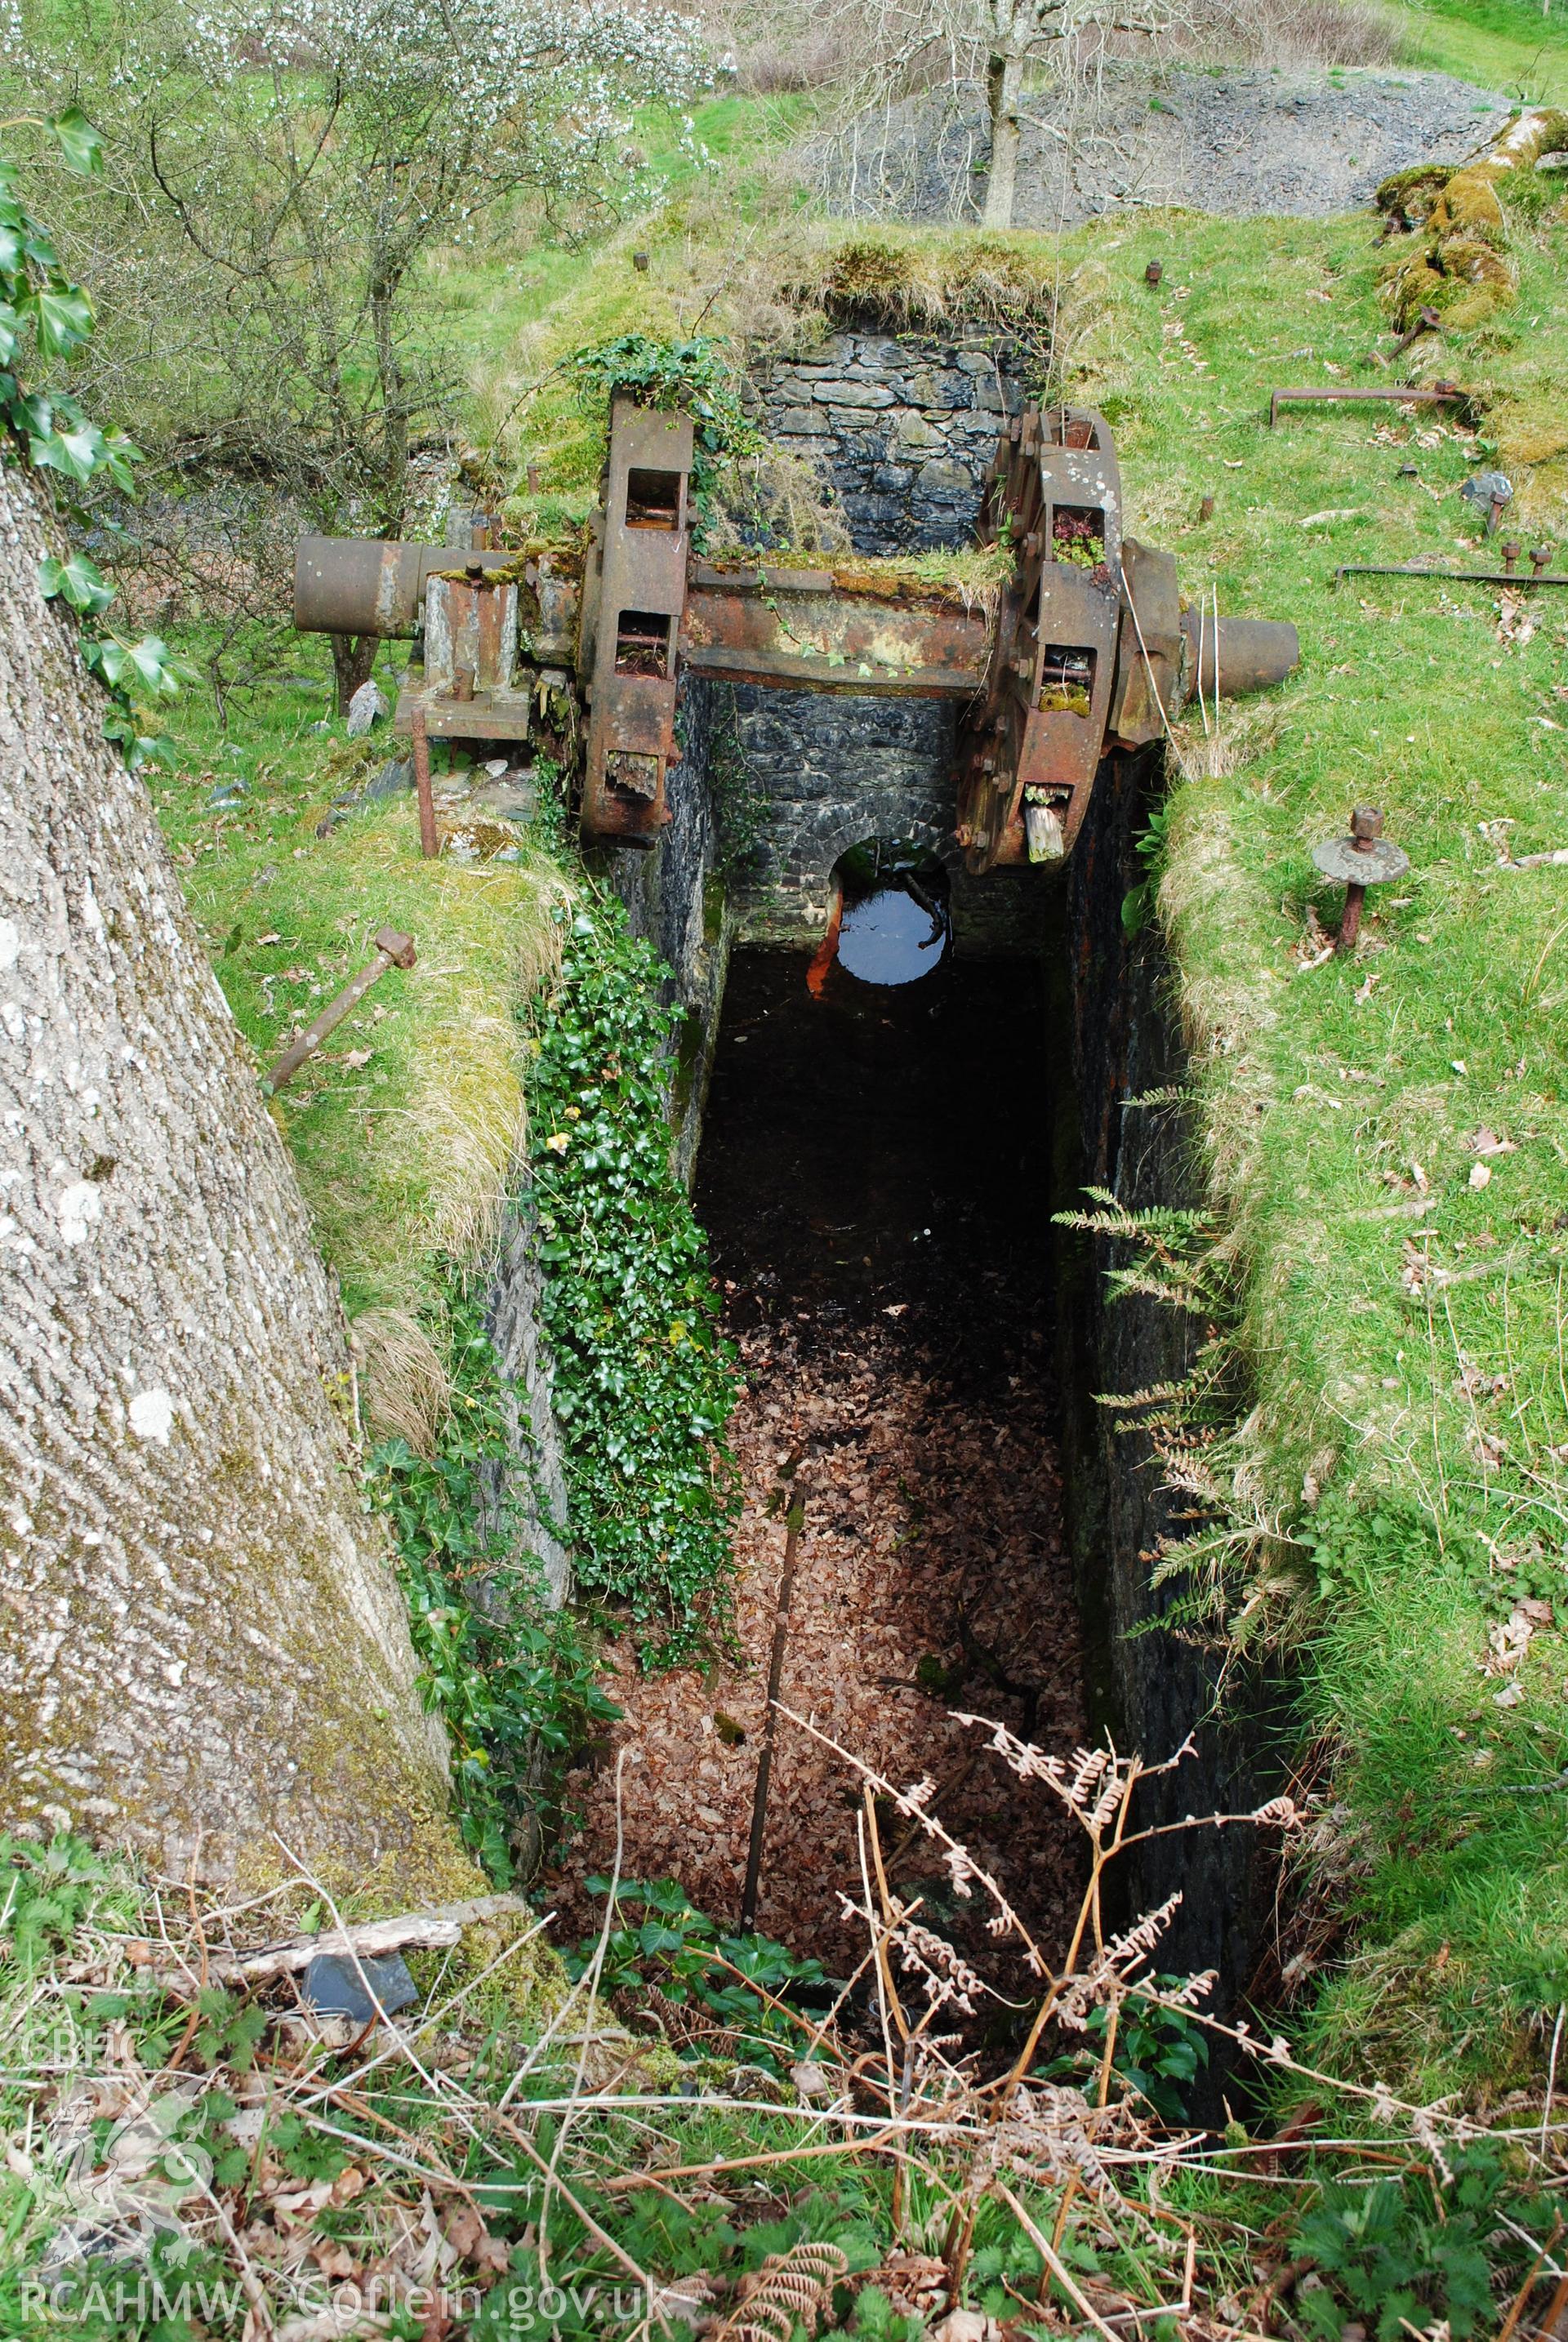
x=75, y=451
x=149, y=663
x=116, y=454
x=81, y=145
x=10, y=247
x=78, y=580
x=137, y=747
x=62, y=315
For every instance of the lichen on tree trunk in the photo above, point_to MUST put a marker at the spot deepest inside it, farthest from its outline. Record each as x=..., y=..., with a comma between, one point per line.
x=1459, y=265
x=201, y=1641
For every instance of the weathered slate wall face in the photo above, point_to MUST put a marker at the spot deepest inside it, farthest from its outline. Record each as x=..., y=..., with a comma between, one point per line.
x=1149, y=1689
x=904, y=428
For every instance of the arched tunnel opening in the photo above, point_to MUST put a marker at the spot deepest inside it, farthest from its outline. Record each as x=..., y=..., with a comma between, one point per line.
x=889, y=918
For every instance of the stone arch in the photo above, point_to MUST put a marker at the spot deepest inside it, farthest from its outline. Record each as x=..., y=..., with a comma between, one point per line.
x=936, y=834
x=828, y=772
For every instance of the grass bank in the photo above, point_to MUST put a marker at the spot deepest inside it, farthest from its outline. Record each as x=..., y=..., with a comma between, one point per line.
x=1384, y=1138
x=1512, y=45
x=409, y=1123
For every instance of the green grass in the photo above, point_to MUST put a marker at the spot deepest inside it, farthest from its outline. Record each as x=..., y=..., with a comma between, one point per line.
x=1505, y=44
x=515, y=302
x=1337, y=1102
x=406, y=1124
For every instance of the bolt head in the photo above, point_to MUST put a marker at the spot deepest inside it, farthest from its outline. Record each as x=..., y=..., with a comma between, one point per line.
x=398, y=947
x=1366, y=821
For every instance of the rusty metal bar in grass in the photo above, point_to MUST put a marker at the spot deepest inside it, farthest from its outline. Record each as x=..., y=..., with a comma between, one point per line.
x=1437, y=394
x=428, y=843
x=1446, y=576
x=392, y=949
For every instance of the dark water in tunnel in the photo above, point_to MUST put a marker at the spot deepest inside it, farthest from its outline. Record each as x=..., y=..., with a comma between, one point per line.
x=882, y=1145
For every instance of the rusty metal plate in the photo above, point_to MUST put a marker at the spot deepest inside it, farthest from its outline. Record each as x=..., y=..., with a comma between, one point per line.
x=634, y=596
x=470, y=628
x=1149, y=651
x=488, y=715
x=1372, y=865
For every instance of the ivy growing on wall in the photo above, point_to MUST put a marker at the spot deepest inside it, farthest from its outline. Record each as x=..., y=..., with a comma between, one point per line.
x=644, y=1384
x=514, y=1682
x=693, y=375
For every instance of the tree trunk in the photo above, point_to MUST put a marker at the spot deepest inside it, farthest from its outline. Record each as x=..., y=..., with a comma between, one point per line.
x=353, y=656
x=1004, y=89
x=202, y=1642
x=1459, y=265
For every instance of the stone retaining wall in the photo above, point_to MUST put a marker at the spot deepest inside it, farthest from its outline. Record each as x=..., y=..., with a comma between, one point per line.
x=903, y=427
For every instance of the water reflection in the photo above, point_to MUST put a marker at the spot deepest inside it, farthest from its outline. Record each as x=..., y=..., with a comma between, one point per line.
x=889, y=937
x=889, y=922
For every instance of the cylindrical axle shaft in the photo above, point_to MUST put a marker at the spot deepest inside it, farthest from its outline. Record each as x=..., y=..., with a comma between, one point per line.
x=361, y=586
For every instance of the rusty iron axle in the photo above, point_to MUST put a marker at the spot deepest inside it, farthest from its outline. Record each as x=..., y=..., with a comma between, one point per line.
x=1088, y=650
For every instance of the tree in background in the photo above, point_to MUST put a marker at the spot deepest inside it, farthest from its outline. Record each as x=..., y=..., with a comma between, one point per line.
x=282, y=172
x=997, y=47
x=203, y=1650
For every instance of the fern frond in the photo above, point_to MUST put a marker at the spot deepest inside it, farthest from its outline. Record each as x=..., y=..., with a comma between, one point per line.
x=1174, y=1094
x=1176, y=1293
x=1154, y=1394
x=790, y=2289
x=1146, y=1225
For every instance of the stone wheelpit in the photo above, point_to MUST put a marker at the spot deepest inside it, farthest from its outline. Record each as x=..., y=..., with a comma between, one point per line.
x=870, y=1177
x=878, y=1162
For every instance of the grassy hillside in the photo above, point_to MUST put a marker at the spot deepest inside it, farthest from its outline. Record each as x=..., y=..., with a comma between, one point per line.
x=1514, y=45
x=1398, y=1489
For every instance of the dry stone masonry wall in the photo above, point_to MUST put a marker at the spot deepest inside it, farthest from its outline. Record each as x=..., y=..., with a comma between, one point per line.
x=902, y=428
